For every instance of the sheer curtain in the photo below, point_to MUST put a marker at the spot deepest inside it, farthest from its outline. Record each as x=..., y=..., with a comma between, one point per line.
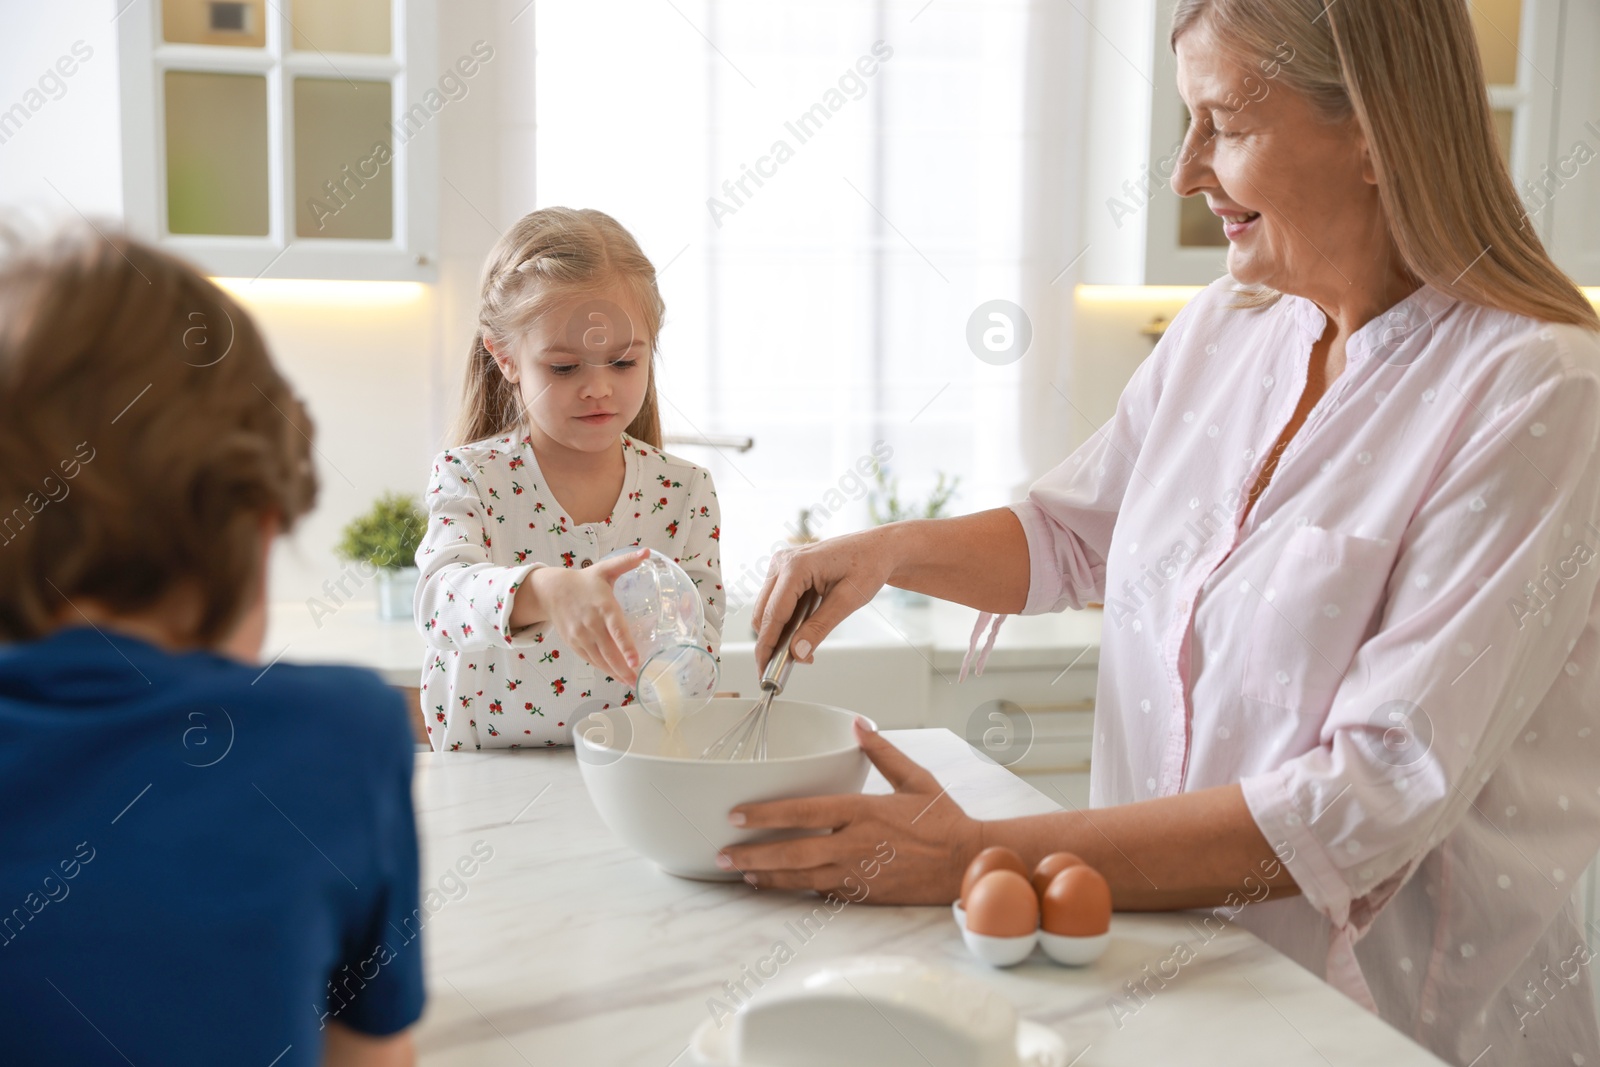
x=830, y=191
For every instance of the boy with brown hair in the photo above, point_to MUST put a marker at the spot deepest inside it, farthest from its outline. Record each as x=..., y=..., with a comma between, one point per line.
x=204, y=861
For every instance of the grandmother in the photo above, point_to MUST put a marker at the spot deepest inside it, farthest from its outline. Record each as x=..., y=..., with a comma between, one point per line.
x=1344, y=525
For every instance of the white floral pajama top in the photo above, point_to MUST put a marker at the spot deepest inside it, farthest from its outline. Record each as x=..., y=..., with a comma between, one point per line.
x=492, y=520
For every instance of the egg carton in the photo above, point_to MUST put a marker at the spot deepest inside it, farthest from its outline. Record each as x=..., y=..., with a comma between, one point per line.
x=1010, y=951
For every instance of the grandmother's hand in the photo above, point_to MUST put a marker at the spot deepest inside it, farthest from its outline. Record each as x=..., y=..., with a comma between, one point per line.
x=847, y=571
x=907, y=847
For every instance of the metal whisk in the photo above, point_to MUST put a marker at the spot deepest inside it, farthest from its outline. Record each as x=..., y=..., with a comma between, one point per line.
x=750, y=732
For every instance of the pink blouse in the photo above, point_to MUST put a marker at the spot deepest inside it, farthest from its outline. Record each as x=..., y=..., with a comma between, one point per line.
x=1397, y=652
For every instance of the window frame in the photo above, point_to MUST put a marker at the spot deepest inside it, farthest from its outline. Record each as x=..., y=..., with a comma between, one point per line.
x=410, y=68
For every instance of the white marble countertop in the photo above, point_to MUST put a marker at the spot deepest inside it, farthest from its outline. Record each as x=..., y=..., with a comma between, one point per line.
x=934, y=633
x=565, y=948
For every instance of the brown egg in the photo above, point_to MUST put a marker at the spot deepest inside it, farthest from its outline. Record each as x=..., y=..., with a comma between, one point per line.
x=1051, y=866
x=1002, y=904
x=1077, y=903
x=994, y=858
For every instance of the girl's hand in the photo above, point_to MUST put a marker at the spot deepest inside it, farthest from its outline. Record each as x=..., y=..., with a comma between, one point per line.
x=581, y=605
x=848, y=571
x=920, y=839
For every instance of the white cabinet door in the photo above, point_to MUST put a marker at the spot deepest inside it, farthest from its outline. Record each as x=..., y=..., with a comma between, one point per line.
x=293, y=139
x=1032, y=721
x=1570, y=185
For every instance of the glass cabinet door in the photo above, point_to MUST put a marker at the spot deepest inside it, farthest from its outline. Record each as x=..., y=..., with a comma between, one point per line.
x=207, y=22
x=249, y=89
x=286, y=138
x=343, y=161
x=216, y=153
x=356, y=26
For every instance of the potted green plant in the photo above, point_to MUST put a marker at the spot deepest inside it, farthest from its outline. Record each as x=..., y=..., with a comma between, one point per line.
x=383, y=545
x=885, y=505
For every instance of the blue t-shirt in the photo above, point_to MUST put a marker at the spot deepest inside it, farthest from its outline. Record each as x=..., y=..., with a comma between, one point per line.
x=202, y=862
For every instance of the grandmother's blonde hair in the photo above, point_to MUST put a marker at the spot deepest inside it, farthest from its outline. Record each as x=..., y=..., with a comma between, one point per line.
x=1410, y=74
x=551, y=255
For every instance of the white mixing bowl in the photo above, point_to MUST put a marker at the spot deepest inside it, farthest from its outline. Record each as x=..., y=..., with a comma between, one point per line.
x=674, y=809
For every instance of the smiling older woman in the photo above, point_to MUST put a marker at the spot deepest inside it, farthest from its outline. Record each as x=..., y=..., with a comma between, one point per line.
x=1344, y=525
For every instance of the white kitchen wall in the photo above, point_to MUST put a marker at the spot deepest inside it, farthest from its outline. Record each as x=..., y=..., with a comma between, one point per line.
x=56, y=130
x=1107, y=347
x=362, y=356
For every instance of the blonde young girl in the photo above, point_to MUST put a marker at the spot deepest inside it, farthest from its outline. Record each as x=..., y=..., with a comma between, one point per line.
x=523, y=629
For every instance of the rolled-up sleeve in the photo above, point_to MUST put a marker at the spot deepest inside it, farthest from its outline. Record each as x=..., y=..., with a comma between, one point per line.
x=1493, y=585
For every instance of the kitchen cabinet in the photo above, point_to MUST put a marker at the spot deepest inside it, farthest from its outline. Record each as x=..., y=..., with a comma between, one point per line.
x=1542, y=89
x=295, y=138
x=1033, y=721
x=1565, y=194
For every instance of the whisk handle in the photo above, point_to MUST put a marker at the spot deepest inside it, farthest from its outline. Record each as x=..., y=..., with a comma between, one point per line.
x=776, y=676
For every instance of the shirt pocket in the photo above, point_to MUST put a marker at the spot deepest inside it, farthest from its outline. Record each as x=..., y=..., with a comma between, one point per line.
x=1316, y=610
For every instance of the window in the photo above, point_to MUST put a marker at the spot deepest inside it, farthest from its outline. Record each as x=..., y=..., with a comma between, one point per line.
x=290, y=138
x=830, y=193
